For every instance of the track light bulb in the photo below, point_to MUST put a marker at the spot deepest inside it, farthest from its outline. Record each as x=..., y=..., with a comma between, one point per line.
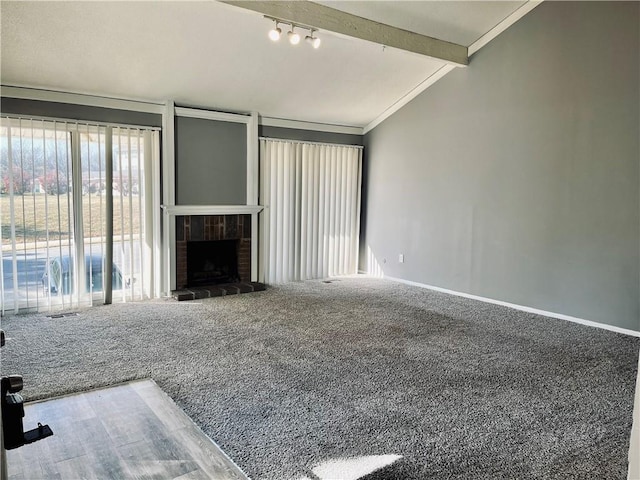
x=274, y=34
x=294, y=38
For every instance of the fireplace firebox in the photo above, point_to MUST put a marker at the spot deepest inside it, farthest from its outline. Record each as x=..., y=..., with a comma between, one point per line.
x=212, y=250
x=212, y=262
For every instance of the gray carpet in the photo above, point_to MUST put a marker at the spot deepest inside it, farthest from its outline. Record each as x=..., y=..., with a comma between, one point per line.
x=287, y=378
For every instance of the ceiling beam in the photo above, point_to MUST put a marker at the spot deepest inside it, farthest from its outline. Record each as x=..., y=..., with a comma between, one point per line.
x=305, y=13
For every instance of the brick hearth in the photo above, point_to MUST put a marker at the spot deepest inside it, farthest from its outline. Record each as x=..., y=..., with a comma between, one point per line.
x=217, y=290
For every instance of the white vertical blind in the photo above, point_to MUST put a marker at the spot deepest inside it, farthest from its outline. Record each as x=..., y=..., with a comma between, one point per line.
x=52, y=213
x=311, y=194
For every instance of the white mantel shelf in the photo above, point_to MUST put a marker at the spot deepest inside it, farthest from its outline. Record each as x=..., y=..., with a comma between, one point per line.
x=175, y=210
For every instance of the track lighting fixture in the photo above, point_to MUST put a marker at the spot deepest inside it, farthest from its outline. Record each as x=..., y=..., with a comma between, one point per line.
x=314, y=41
x=293, y=36
x=274, y=33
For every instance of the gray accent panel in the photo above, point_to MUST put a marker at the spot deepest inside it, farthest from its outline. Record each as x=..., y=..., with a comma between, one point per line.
x=37, y=108
x=309, y=135
x=517, y=178
x=211, y=162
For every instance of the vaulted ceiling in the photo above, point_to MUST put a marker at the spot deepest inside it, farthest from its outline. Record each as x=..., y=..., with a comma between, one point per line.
x=215, y=55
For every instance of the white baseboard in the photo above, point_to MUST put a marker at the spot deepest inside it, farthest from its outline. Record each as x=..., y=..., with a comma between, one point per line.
x=545, y=313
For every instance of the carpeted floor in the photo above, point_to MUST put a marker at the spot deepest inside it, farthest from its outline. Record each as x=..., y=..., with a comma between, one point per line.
x=299, y=374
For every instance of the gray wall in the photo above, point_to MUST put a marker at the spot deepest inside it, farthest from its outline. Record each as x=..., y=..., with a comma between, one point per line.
x=211, y=162
x=517, y=178
x=70, y=111
x=309, y=135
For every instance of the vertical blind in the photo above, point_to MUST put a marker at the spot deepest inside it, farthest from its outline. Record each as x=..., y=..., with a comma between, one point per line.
x=53, y=198
x=311, y=194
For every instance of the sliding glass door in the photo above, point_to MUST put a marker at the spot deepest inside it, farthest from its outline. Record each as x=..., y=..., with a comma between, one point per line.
x=311, y=194
x=61, y=198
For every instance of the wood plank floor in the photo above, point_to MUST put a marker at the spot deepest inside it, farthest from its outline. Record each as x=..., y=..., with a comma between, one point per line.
x=128, y=431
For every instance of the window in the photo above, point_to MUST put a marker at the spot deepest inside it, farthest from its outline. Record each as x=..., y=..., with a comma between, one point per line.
x=58, y=188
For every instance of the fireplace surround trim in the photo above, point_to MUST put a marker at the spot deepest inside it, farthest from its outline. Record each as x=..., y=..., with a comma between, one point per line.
x=169, y=237
x=176, y=210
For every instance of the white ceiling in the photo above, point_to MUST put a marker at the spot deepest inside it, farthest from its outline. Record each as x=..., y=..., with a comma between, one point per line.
x=213, y=55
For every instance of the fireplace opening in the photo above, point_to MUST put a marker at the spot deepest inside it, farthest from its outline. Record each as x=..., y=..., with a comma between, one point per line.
x=212, y=262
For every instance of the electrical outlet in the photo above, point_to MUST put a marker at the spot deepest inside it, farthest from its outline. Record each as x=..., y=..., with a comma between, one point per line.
x=401, y=258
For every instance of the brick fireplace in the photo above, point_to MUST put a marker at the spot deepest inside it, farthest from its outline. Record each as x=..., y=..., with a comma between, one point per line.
x=193, y=230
